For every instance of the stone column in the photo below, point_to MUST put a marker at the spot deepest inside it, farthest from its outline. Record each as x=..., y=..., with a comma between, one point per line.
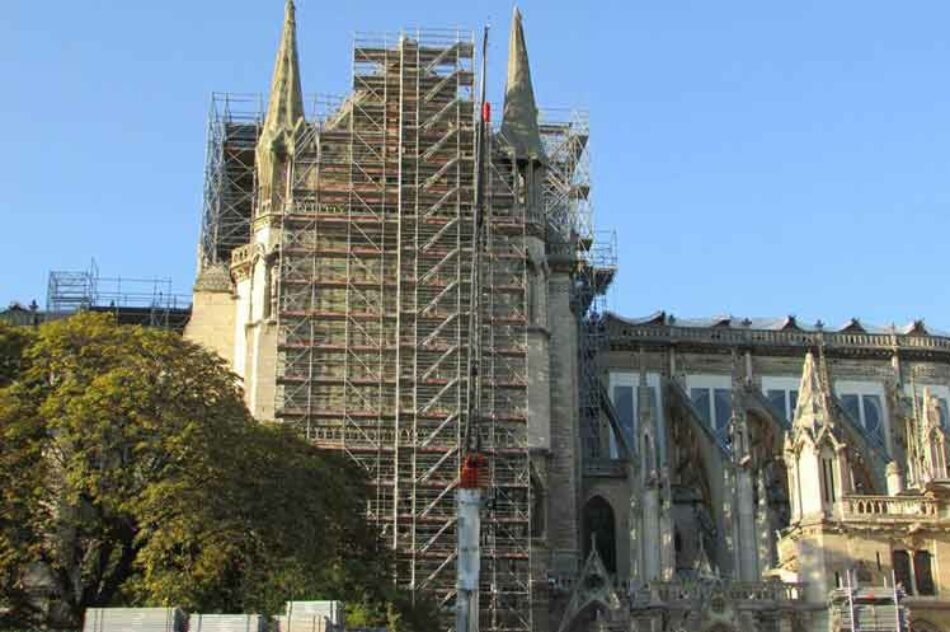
x=843, y=473
x=650, y=541
x=747, y=545
x=564, y=465
x=729, y=523
x=895, y=479
x=763, y=527
x=667, y=551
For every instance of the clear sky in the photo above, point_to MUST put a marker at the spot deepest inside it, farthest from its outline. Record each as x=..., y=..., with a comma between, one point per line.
x=755, y=158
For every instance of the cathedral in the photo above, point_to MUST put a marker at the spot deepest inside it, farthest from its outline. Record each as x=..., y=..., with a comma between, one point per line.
x=644, y=474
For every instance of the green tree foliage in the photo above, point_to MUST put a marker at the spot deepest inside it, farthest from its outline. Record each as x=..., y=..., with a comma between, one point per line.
x=13, y=341
x=132, y=474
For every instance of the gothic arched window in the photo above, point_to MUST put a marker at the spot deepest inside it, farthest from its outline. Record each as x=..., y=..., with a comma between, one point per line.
x=599, y=526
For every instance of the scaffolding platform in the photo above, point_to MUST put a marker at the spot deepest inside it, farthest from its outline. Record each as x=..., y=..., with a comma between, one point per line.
x=131, y=301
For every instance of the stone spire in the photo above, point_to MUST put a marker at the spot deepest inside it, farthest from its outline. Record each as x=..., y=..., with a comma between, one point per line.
x=285, y=106
x=284, y=112
x=812, y=412
x=519, y=124
x=815, y=451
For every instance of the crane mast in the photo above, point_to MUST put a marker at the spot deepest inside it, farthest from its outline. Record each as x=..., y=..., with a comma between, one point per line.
x=469, y=492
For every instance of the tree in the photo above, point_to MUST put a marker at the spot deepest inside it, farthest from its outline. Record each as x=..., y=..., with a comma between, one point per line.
x=132, y=474
x=13, y=341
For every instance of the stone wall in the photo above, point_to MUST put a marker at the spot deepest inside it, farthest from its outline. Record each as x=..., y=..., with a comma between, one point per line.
x=212, y=322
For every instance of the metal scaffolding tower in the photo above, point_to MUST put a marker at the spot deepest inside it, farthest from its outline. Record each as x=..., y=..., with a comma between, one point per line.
x=234, y=123
x=374, y=307
x=568, y=212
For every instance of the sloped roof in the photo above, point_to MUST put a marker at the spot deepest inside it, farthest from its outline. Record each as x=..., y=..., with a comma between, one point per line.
x=790, y=322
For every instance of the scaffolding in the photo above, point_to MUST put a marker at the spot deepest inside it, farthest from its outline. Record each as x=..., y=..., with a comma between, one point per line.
x=595, y=274
x=132, y=301
x=565, y=135
x=867, y=609
x=374, y=307
x=373, y=302
x=568, y=211
x=230, y=185
x=234, y=124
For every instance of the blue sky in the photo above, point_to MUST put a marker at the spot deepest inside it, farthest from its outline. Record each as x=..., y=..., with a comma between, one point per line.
x=755, y=158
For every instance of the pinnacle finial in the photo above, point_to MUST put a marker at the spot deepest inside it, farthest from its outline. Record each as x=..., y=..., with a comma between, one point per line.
x=519, y=125
x=285, y=105
x=812, y=409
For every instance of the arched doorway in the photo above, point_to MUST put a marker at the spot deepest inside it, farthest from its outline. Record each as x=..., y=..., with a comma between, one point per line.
x=599, y=525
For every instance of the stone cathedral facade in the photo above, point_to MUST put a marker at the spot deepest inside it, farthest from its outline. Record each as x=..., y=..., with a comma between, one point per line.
x=766, y=475
x=648, y=474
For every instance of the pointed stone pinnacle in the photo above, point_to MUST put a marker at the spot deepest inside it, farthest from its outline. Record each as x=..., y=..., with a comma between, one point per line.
x=812, y=409
x=519, y=125
x=285, y=105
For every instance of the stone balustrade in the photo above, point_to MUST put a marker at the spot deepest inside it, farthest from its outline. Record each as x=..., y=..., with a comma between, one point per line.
x=633, y=334
x=683, y=593
x=242, y=254
x=673, y=593
x=859, y=508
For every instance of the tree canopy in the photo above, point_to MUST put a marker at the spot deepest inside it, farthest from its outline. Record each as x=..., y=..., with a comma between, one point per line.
x=132, y=474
